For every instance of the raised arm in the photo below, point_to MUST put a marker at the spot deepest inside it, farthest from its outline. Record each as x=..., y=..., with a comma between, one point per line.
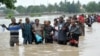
x=5, y=26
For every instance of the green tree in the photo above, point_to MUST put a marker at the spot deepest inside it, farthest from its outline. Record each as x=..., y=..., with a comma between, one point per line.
x=30, y=9
x=73, y=9
x=50, y=8
x=91, y=7
x=98, y=7
x=36, y=9
x=68, y=7
x=62, y=7
x=21, y=9
x=8, y=3
x=78, y=5
x=56, y=7
x=43, y=8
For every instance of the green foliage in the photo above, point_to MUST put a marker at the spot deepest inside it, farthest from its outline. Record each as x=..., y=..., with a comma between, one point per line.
x=30, y=9
x=63, y=6
x=9, y=12
x=8, y=3
x=36, y=9
x=98, y=7
x=50, y=8
x=92, y=7
x=8, y=16
x=21, y=9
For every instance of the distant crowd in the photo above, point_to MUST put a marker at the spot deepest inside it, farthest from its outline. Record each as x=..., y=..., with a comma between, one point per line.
x=63, y=31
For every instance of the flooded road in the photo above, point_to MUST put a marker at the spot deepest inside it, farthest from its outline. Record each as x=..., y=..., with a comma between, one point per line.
x=89, y=46
x=35, y=50
x=91, y=43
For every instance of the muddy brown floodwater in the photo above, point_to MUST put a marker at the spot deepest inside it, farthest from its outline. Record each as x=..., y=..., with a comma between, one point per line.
x=89, y=46
x=35, y=50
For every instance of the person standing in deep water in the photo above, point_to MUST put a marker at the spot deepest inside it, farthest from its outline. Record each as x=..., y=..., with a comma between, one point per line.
x=27, y=32
x=75, y=32
x=55, y=37
x=14, y=33
x=81, y=20
x=38, y=29
x=62, y=30
x=67, y=23
x=48, y=35
x=89, y=21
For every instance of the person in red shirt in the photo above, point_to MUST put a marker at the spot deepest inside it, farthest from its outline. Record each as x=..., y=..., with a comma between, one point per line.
x=98, y=18
x=81, y=20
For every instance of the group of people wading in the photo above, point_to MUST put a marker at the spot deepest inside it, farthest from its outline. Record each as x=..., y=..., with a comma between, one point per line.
x=63, y=32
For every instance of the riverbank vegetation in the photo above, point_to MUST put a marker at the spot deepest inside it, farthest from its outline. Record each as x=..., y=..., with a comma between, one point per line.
x=62, y=7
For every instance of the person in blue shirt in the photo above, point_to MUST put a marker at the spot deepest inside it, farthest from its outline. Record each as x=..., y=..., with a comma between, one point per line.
x=14, y=33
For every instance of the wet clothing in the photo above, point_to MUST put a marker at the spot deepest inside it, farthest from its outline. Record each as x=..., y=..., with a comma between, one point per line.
x=75, y=40
x=81, y=19
x=56, y=33
x=98, y=19
x=67, y=24
x=14, y=40
x=62, y=33
x=89, y=21
x=47, y=34
x=93, y=19
x=75, y=32
x=37, y=30
x=75, y=36
x=14, y=34
x=75, y=29
x=27, y=33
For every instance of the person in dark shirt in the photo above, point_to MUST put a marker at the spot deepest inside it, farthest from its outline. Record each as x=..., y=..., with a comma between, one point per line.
x=62, y=32
x=48, y=29
x=27, y=31
x=75, y=32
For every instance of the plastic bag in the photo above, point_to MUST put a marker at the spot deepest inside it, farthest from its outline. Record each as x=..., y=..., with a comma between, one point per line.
x=38, y=38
